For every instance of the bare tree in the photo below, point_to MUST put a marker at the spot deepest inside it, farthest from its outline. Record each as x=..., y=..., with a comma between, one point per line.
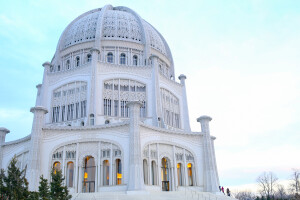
x=295, y=182
x=267, y=182
x=244, y=195
x=281, y=192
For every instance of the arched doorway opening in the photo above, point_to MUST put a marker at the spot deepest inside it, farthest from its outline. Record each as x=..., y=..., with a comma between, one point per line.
x=89, y=172
x=165, y=174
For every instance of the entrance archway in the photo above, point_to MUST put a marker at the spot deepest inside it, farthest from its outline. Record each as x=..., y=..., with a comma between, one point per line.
x=165, y=174
x=89, y=172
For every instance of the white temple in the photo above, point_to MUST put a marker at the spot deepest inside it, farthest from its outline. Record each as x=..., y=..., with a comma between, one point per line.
x=110, y=114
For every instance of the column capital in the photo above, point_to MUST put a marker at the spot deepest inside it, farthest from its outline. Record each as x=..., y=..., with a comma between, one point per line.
x=95, y=50
x=45, y=64
x=204, y=118
x=38, y=85
x=38, y=108
x=4, y=130
x=182, y=76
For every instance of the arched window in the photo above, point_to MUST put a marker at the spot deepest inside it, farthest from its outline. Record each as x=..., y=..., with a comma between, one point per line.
x=105, y=172
x=51, y=68
x=145, y=169
x=89, y=172
x=70, y=174
x=77, y=61
x=92, y=120
x=58, y=68
x=122, y=59
x=135, y=60
x=68, y=64
x=190, y=174
x=153, y=172
x=179, y=174
x=56, y=167
x=110, y=57
x=89, y=58
x=118, y=172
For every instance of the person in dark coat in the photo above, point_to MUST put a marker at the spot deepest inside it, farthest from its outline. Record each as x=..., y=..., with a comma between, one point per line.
x=228, y=192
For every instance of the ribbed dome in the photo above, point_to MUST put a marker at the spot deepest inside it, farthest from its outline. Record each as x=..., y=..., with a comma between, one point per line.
x=113, y=23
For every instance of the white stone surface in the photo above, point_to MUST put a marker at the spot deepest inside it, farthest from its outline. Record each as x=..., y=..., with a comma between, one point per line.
x=100, y=141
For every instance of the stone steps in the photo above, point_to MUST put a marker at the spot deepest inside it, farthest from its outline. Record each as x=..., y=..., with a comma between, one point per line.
x=178, y=195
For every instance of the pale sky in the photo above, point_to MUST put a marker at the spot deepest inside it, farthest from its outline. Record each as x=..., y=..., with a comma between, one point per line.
x=241, y=59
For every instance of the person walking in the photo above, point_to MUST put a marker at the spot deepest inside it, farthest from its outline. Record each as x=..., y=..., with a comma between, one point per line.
x=228, y=192
x=223, y=190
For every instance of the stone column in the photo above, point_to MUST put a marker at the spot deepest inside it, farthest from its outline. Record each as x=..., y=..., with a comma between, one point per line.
x=136, y=182
x=185, y=110
x=3, y=132
x=211, y=179
x=35, y=147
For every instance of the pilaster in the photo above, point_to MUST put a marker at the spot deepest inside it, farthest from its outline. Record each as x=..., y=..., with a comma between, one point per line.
x=35, y=145
x=94, y=87
x=211, y=179
x=156, y=108
x=136, y=182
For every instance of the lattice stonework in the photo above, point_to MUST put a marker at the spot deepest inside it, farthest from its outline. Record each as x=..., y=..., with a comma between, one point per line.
x=69, y=102
x=171, y=109
x=118, y=92
x=82, y=30
x=121, y=25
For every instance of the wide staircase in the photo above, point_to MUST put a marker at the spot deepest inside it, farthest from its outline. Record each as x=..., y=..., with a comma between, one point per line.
x=176, y=195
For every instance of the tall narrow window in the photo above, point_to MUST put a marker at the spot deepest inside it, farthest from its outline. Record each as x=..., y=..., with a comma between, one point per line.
x=56, y=167
x=179, y=174
x=153, y=172
x=124, y=109
x=89, y=58
x=110, y=57
x=58, y=68
x=122, y=59
x=116, y=107
x=77, y=61
x=118, y=172
x=83, y=108
x=107, y=107
x=105, y=172
x=68, y=64
x=92, y=120
x=89, y=175
x=77, y=110
x=135, y=60
x=190, y=174
x=143, y=110
x=63, y=111
x=70, y=174
x=145, y=170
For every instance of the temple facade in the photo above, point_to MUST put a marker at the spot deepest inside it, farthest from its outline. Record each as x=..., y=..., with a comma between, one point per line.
x=111, y=115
